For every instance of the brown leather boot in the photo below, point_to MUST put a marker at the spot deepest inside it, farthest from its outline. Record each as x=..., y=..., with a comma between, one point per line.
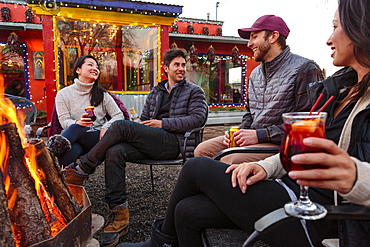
x=116, y=226
x=73, y=176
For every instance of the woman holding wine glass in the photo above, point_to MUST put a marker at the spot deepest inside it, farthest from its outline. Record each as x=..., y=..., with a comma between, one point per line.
x=203, y=196
x=81, y=130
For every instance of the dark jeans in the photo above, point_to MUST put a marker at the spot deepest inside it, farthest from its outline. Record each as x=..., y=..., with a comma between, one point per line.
x=127, y=141
x=81, y=142
x=204, y=198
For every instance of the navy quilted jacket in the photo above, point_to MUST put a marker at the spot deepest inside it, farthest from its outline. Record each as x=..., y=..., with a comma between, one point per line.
x=187, y=111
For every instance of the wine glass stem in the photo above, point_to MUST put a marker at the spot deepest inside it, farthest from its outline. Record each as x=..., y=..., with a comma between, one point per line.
x=303, y=196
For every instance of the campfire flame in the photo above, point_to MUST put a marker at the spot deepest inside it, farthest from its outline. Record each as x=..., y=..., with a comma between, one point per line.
x=54, y=217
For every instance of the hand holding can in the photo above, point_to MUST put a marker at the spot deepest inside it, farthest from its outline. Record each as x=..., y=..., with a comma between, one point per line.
x=232, y=130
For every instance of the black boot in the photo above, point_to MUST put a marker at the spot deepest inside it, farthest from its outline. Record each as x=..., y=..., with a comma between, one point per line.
x=158, y=238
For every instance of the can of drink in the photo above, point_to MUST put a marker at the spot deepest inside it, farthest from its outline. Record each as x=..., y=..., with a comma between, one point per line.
x=232, y=130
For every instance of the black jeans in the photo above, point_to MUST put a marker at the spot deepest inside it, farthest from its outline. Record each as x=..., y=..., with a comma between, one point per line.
x=127, y=141
x=204, y=198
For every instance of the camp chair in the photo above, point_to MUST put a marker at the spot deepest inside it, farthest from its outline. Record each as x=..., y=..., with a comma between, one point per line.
x=182, y=158
x=27, y=108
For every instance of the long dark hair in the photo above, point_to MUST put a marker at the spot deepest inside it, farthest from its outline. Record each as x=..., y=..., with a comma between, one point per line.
x=355, y=20
x=97, y=92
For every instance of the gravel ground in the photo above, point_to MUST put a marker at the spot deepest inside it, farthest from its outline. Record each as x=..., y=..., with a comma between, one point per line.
x=144, y=205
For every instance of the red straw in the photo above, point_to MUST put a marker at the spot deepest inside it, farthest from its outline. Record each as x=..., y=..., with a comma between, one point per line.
x=316, y=103
x=326, y=104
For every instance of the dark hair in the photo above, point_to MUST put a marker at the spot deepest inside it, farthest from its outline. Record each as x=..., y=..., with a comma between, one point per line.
x=97, y=92
x=173, y=53
x=355, y=20
x=281, y=40
x=15, y=82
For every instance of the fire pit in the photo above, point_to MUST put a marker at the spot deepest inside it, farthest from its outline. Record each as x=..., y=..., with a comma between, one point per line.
x=37, y=207
x=78, y=231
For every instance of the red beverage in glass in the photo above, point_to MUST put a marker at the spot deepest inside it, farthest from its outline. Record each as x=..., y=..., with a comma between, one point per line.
x=295, y=130
x=90, y=111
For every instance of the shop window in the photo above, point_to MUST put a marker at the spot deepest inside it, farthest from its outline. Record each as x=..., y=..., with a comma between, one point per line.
x=221, y=80
x=13, y=71
x=127, y=55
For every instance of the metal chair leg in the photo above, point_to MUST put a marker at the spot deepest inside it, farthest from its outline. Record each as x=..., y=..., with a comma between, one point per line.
x=151, y=177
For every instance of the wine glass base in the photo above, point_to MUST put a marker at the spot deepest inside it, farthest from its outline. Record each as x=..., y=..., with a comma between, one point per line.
x=311, y=211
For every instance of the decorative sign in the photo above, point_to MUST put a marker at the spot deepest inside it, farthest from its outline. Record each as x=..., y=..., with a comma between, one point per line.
x=38, y=64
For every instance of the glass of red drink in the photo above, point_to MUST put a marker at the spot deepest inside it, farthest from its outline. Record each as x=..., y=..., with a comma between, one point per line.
x=298, y=126
x=91, y=114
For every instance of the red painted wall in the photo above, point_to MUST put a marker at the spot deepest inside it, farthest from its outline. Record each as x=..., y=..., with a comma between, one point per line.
x=198, y=27
x=17, y=13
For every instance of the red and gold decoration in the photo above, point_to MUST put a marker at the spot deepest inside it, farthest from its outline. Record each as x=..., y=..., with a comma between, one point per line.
x=5, y=13
x=193, y=54
x=211, y=54
x=190, y=29
x=235, y=55
x=13, y=43
x=175, y=28
x=205, y=30
x=29, y=15
x=173, y=45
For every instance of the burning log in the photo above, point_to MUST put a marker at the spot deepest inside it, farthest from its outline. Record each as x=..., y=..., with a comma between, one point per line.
x=6, y=235
x=56, y=185
x=28, y=219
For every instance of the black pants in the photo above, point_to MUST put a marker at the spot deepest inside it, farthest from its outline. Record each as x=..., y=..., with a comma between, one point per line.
x=204, y=198
x=127, y=141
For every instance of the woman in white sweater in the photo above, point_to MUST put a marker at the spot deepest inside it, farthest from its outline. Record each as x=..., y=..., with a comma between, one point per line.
x=71, y=102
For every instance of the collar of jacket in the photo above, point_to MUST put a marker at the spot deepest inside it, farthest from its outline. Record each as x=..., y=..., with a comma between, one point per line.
x=331, y=86
x=161, y=85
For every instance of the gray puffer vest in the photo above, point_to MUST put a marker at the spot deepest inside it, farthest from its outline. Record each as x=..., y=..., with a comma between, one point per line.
x=275, y=88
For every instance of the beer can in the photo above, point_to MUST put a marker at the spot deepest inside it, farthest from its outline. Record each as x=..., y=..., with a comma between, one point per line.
x=232, y=130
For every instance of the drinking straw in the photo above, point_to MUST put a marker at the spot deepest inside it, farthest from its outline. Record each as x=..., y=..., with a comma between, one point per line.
x=326, y=104
x=316, y=103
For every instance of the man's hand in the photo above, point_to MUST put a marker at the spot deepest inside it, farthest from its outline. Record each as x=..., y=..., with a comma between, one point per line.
x=245, y=137
x=246, y=174
x=153, y=123
x=226, y=138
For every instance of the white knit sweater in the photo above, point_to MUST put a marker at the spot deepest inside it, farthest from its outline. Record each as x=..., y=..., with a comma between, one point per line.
x=360, y=193
x=71, y=102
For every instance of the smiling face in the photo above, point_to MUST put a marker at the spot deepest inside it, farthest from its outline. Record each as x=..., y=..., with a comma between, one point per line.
x=260, y=45
x=89, y=71
x=176, y=70
x=341, y=45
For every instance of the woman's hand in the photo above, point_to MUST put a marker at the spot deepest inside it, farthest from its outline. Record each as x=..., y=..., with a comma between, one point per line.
x=338, y=173
x=102, y=133
x=246, y=174
x=84, y=121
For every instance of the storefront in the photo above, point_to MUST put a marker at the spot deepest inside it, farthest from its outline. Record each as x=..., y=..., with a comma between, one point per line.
x=21, y=52
x=127, y=37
